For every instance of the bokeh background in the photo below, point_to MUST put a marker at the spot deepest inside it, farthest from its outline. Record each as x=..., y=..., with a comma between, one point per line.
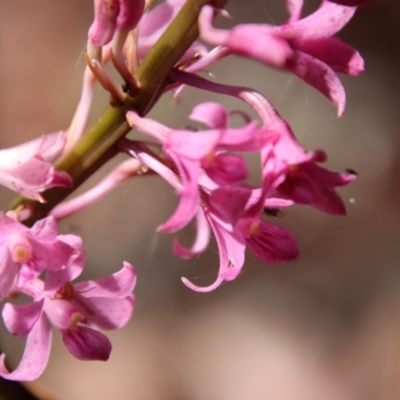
x=324, y=327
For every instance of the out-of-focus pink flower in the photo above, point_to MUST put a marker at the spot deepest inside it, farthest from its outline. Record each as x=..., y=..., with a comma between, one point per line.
x=77, y=311
x=27, y=168
x=25, y=253
x=113, y=17
x=155, y=22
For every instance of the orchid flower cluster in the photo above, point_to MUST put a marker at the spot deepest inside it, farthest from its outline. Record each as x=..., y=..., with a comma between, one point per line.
x=157, y=50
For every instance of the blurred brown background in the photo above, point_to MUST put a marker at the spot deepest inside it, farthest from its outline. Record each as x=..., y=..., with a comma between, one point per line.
x=324, y=327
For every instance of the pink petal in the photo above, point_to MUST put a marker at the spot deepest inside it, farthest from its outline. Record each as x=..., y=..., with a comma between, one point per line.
x=351, y=3
x=321, y=77
x=325, y=22
x=294, y=7
x=108, y=313
x=20, y=319
x=228, y=203
x=119, y=284
x=231, y=253
x=36, y=354
x=227, y=169
x=256, y=41
x=248, y=138
x=201, y=241
x=8, y=273
x=341, y=57
x=272, y=243
x=211, y=114
x=192, y=145
x=105, y=16
x=86, y=344
x=129, y=14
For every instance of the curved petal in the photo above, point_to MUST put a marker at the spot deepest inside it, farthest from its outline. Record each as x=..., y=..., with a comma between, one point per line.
x=294, y=8
x=192, y=145
x=45, y=229
x=231, y=248
x=20, y=319
x=57, y=279
x=341, y=57
x=119, y=284
x=325, y=22
x=108, y=312
x=86, y=344
x=321, y=77
x=36, y=354
x=211, y=114
x=8, y=272
x=202, y=238
x=352, y=3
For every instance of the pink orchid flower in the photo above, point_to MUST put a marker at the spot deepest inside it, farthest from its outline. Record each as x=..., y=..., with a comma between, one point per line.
x=27, y=168
x=78, y=311
x=26, y=252
x=206, y=152
x=306, y=47
x=236, y=224
x=300, y=178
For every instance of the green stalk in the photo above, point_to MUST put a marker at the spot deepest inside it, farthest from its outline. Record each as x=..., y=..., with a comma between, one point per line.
x=97, y=145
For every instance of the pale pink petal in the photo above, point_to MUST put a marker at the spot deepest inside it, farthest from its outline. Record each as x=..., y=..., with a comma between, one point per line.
x=192, y=145
x=8, y=273
x=341, y=57
x=105, y=16
x=325, y=22
x=20, y=319
x=45, y=229
x=86, y=344
x=231, y=248
x=36, y=354
x=294, y=8
x=107, y=313
x=321, y=77
x=201, y=241
x=214, y=115
x=257, y=41
x=119, y=284
x=147, y=126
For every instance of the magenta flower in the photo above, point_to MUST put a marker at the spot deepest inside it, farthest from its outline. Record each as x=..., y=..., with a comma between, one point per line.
x=113, y=17
x=26, y=252
x=27, y=168
x=305, y=47
x=77, y=311
x=155, y=22
x=233, y=217
x=208, y=152
x=300, y=178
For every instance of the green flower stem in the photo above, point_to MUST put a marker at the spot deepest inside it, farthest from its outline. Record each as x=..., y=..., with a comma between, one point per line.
x=97, y=145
